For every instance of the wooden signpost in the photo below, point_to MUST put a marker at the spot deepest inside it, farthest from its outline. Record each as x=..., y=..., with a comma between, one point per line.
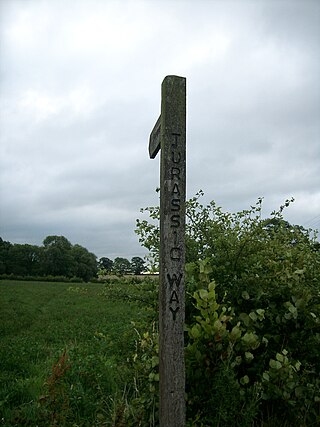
x=169, y=136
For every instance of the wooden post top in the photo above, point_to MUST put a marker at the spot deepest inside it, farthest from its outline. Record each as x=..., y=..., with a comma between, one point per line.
x=155, y=136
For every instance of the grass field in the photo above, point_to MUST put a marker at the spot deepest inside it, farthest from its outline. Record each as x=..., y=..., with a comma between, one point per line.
x=63, y=353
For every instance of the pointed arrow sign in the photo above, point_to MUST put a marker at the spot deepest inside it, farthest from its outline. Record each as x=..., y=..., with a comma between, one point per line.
x=154, y=141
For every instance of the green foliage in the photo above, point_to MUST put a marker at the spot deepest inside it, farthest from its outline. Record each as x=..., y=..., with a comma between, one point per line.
x=252, y=313
x=84, y=263
x=49, y=278
x=149, y=235
x=105, y=264
x=57, y=257
x=64, y=352
x=143, y=292
x=20, y=259
x=144, y=403
x=243, y=248
x=252, y=332
x=271, y=366
x=137, y=265
x=4, y=256
x=218, y=392
x=121, y=266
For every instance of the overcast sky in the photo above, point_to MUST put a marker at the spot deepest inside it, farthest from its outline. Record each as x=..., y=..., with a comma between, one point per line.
x=80, y=92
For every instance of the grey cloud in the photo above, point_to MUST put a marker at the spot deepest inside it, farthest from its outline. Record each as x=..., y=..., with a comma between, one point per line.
x=75, y=122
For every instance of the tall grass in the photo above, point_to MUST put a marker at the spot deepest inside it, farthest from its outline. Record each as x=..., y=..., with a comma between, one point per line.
x=62, y=353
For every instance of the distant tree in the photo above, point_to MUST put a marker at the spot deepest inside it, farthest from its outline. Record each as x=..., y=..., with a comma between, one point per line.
x=105, y=264
x=57, y=241
x=23, y=260
x=84, y=263
x=137, y=265
x=57, y=259
x=4, y=256
x=121, y=266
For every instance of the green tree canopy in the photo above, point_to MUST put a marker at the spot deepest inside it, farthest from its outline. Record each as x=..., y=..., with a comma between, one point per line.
x=106, y=264
x=57, y=257
x=242, y=248
x=4, y=256
x=121, y=266
x=60, y=242
x=84, y=263
x=137, y=265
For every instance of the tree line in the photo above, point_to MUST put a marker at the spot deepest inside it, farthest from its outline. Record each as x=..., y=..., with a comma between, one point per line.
x=121, y=266
x=58, y=257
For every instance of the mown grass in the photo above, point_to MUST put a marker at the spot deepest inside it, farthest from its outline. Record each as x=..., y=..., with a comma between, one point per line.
x=63, y=352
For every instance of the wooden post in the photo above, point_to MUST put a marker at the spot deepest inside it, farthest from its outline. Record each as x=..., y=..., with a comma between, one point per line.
x=169, y=135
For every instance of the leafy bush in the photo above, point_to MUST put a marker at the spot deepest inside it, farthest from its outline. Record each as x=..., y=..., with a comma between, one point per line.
x=144, y=292
x=144, y=402
x=252, y=313
x=49, y=278
x=259, y=361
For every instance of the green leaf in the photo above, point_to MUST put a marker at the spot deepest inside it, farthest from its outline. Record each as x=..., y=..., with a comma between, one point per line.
x=211, y=286
x=249, y=356
x=217, y=325
x=279, y=357
x=245, y=318
x=297, y=366
x=238, y=360
x=251, y=340
x=195, y=331
x=244, y=380
x=299, y=392
x=292, y=309
x=154, y=361
x=191, y=267
x=235, y=333
x=203, y=294
x=211, y=298
x=266, y=376
x=253, y=316
x=275, y=364
x=260, y=313
x=245, y=295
